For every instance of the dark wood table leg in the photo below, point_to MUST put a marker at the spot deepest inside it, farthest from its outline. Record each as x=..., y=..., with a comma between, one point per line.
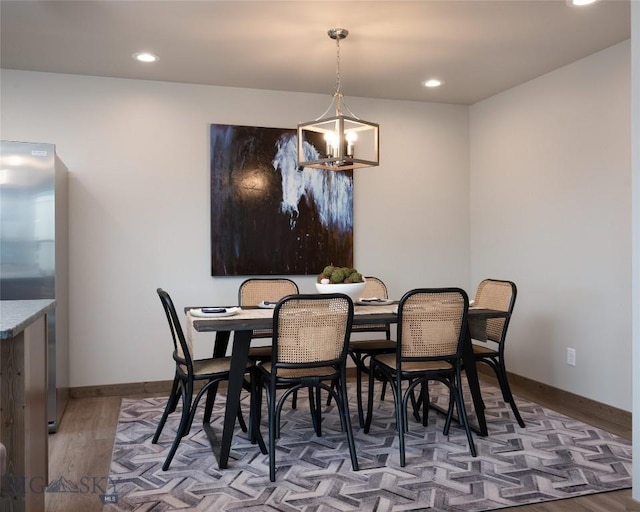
x=221, y=344
x=239, y=356
x=219, y=350
x=474, y=385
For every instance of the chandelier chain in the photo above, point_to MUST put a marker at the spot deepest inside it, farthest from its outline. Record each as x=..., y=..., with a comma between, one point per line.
x=338, y=81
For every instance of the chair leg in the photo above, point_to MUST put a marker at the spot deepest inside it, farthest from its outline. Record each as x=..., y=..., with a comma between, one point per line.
x=343, y=407
x=187, y=394
x=333, y=386
x=358, y=360
x=275, y=405
x=211, y=398
x=415, y=404
x=208, y=409
x=410, y=396
x=172, y=402
x=462, y=411
x=241, y=422
x=367, y=423
x=278, y=428
x=315, y=409
x=424, y=395
x=355, y=357
x=271, y=400
x=359, y=370
x=186, y=428
x=255, y=412
x=384, y=390
x=452, y=402
x=401, y=421
x=501, y=373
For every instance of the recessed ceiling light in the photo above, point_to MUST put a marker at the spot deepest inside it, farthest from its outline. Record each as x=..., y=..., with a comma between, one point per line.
x=432, y=83
x=580, y=3
x=145, y=57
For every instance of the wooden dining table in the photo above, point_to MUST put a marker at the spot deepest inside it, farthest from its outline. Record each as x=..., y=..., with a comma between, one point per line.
x=248, y=319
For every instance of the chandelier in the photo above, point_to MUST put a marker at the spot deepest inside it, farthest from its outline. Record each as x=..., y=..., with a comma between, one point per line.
x=342, y=141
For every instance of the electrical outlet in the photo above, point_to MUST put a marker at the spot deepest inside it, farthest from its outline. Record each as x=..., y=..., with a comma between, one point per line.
x=571, y=356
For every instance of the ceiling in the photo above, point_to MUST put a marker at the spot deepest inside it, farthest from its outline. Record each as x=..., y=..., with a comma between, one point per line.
x=478, y=48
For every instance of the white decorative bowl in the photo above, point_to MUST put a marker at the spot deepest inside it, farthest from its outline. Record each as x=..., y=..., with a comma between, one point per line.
x=353, y=290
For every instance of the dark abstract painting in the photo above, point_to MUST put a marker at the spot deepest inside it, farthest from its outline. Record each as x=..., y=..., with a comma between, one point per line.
x=269, y=217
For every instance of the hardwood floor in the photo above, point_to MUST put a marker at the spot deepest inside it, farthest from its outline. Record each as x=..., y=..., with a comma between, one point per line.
x=80, y=452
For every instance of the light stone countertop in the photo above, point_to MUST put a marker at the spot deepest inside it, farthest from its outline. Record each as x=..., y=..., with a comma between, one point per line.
x=17, y=315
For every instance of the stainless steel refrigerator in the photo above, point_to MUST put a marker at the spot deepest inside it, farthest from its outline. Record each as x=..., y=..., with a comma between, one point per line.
x=33, y=249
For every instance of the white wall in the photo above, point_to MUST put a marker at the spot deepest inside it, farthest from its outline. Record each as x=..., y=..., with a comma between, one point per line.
x=546, y=203
x=551, y=210
x=138, y=157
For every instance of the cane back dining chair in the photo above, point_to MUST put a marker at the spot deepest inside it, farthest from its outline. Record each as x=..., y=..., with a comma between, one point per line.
x=311, y=334
x=431, y=333
x=252, y=292
x=188, y=371
x=361, y=350
x=500, y=295
x=268, y=290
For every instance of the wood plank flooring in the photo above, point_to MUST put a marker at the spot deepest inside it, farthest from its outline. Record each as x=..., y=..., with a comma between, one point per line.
x=81, y=453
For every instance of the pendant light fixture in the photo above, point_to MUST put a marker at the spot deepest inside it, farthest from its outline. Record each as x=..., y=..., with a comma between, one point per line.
x=339, y=142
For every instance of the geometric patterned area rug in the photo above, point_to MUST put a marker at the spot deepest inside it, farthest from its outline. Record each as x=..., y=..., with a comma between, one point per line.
x=553, y=457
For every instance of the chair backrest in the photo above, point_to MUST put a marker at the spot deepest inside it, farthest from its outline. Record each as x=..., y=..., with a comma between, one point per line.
x=311, y=330
x=255, y=290
x=181, y=349
x=374, y=287
x=431, y=323
x=498, y=295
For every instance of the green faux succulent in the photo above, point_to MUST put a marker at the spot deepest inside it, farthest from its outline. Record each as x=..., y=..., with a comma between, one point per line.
x=338, y=275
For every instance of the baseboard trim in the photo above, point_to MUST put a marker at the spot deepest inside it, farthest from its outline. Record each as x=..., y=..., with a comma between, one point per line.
x=62, y=399
x=122, y=390
x=527, y=388
x=160, y=387
x=545, y=394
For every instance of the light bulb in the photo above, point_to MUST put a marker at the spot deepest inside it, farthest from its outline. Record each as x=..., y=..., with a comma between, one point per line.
x=351, y=137
x=332, y=144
